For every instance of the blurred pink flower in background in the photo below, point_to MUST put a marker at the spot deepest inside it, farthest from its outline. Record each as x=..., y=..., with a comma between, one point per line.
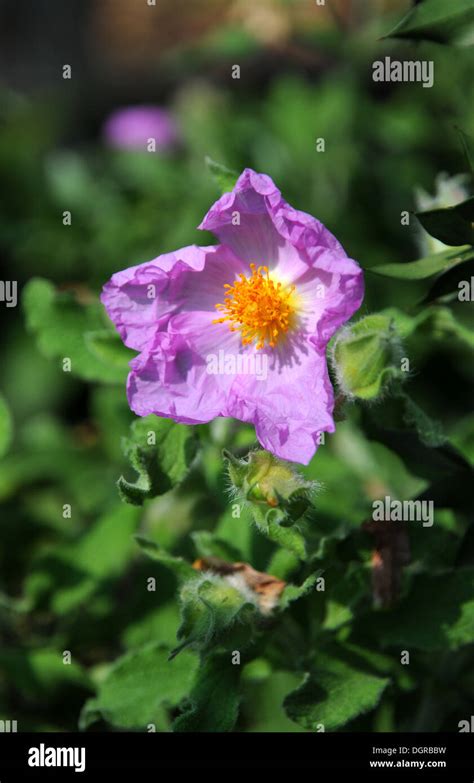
x=133, y=127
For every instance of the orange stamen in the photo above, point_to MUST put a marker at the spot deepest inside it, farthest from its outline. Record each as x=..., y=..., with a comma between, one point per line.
x=259, y=308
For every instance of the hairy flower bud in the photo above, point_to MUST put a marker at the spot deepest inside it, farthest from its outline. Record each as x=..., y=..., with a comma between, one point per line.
x=262, y=479
x=366, y=356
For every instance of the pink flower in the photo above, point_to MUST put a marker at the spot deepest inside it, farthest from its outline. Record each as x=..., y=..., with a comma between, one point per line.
x=134, y=126
x=270, y=295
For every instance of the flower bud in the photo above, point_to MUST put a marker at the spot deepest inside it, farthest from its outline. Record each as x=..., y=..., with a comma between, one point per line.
x=366, y=356
x=264, y=480
x=214, y=611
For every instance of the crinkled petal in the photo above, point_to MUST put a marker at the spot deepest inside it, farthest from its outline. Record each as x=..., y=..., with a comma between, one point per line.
x=170, y=380
x=180, y=375
x=261, y=227
x=329, y=293
x=292, y=406
x=141, y=299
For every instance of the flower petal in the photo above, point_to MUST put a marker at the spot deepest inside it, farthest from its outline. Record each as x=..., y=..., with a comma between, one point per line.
x=171, y=380
x=261, y=227
x=182, y=375
x=329, y=293
x=141, y=299
x=291, y=406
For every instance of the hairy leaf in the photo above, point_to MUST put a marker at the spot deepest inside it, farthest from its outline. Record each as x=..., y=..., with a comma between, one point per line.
x=161, y=452
x=214, y=701
x=137, y=686
x=181, y=569
x=335, y=691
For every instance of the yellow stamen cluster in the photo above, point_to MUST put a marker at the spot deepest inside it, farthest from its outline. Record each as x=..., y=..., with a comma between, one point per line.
x=258, y=307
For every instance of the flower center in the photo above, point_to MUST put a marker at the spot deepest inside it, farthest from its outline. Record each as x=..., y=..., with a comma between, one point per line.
x=259, y=308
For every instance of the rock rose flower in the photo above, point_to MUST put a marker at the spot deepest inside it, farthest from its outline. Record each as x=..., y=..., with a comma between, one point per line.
x=275, y=290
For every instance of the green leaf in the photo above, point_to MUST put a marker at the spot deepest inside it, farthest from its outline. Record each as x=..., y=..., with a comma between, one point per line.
x=42, y=674
x=288, y=537
x=159, y=625
x=214, y=701
x=428, y=266
x=70, y=574
x=6, y=428
x=238, y=532
x=65, y=329
x=439, y=21
x=209, y=545
x=437, y=614
x=419, y=441
x=334, y=692
x=262, y=703
x=269, y=523
x=107, y=546
x=181, y=569
x=435, y=321
x=39, y=458
x=225, y=178
x=452, y=284
x=452, y=225
x=138, y=685
x=108, y=348
x=112, y=417
x=283, y=564
x=429, y=430
x=161, y=452
x=294, y=592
